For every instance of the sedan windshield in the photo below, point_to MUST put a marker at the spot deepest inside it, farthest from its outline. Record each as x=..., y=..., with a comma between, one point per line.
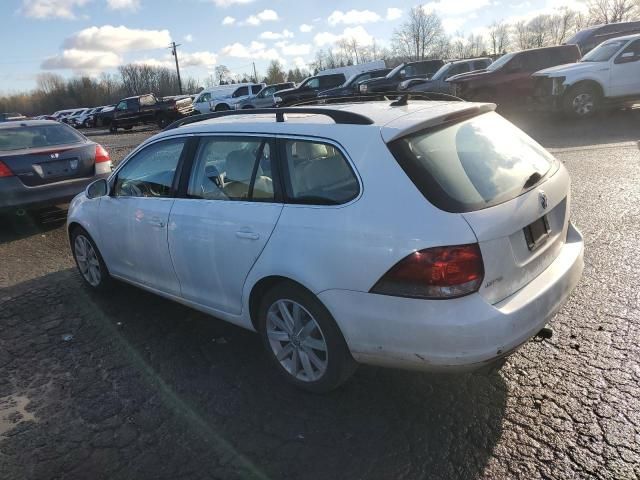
x=503, y=60
x=38, y=136
x=604, y=51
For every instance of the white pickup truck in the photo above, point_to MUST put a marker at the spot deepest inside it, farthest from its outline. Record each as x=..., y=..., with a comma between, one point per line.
x=607, y=75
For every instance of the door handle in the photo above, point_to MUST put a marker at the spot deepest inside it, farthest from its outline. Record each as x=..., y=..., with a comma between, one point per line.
x=248, y=235
x=156, y=222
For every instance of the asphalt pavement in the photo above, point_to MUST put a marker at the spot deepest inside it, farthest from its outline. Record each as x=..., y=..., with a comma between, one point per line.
x=131, y=386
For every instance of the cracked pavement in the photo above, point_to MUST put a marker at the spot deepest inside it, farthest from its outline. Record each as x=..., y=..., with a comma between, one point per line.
x=133, y=386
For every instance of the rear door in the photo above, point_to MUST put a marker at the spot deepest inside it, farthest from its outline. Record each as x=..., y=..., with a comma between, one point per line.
x=45, y=154
x=134, y=219
x=513, y=194
x=224, y=219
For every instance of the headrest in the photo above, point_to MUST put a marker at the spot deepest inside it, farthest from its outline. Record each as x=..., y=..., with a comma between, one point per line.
x=309, y=150
x=240, y=166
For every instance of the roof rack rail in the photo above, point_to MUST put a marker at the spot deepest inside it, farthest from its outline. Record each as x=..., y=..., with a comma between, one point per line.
x=338, y=116
x=397, y=98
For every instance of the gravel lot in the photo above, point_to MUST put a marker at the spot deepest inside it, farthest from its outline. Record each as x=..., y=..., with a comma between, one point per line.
x=133, y=386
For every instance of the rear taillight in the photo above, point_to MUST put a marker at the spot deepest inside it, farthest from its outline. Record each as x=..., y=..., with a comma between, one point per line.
x=5, y=171
x=440, y=272
x=101, y=154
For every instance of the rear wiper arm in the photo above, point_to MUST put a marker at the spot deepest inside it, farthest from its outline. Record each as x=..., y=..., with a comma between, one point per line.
x=532, y=180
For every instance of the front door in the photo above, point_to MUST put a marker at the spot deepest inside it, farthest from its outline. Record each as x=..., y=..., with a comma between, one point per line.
x=625, y=72
x=219, y=230
x=135, y=217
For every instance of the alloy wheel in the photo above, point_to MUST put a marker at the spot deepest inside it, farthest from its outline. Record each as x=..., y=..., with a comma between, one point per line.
x=296, y=340
x=87, y=259
x=583, y=104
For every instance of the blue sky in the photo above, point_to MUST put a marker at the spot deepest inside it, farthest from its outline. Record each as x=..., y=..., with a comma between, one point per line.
x=93, y=36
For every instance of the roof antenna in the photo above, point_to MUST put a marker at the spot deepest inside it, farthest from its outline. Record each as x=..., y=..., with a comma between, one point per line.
x=401, y=101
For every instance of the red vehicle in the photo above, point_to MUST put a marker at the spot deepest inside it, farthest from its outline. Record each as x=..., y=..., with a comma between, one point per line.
x=508, y=79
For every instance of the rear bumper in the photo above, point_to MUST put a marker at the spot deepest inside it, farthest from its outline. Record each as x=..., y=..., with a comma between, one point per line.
x=14, y=194
x=461, y=334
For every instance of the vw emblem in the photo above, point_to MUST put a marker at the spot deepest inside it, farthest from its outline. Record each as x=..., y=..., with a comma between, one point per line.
x=55, y=155
x=544, y=201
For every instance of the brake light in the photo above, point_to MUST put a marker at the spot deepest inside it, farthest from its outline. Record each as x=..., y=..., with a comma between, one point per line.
x=436, y=273
x=5, y=171
x=101, y=154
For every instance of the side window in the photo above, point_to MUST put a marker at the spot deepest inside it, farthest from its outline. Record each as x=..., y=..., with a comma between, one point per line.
x=313, y=83
x=132, y=104
x=122, y=106
x=318, y=174
x=205, y=97
x=255, y=89
x=456, y=69
x=232, y=168
x=150, y=172
x=630, y=54
x=330, y=81
x=241, y=92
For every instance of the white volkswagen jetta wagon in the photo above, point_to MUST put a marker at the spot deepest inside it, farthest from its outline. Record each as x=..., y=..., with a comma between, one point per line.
x=425, y=235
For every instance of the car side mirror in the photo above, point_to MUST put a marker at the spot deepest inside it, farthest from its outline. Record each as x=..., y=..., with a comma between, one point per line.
x=99, y=188
x=277, y=100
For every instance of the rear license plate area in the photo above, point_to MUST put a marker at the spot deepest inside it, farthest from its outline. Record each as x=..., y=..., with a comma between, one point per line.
x=60, y=168
x=537, y=233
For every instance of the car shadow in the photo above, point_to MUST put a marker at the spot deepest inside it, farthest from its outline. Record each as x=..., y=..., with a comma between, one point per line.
x=202, y=397
x=18, y=225
x=556, y=131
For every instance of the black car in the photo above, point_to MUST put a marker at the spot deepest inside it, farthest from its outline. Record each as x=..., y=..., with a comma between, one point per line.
x=402, y=72
x=310, y=88
x=44, y=163
x=350, y=87
x=591, y=37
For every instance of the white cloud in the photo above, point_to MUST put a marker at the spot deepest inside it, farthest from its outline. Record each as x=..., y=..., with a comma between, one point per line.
x=44, y=9
x=187, y=60
x=81, y=61
x=448, y=8
x=263, y=16
x=131, y=5
x=228, y=3
x=550, y=7
x=393, y=13
x=453, y=24
x=306, y=28
x=257, y=50
x=188, y=38
x=228, y=20
x=293, y=49
x=300, y=62
x=275, y=35
x=358, y=33
x=353, y=17
x=118, y=39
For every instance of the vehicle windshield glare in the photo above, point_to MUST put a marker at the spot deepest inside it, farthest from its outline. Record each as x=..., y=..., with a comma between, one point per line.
x=393, y=72
x=604, y=51
x=474, y=164
x=499, y=63
x=442, y=72
x=37, y=137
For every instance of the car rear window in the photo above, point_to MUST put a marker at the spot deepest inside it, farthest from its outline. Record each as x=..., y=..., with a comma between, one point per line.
x=474, y=164
x=37, y=136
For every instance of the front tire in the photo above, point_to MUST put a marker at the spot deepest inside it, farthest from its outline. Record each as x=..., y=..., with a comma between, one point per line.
x=223, y=107
x=581, y=101
x=89, y=261
x=302, y=339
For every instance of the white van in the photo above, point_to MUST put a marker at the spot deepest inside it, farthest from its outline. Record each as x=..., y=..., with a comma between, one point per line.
x=206, y=100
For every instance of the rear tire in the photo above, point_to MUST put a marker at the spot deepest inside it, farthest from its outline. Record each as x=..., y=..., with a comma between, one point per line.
x=162, y=121
x=305, y=345
x=222, y=108
x=89, y=261
x=128, y=128
x=581, y=101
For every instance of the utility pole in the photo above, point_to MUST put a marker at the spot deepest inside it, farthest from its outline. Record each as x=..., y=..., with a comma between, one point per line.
x=175, y=55
x=255, y=75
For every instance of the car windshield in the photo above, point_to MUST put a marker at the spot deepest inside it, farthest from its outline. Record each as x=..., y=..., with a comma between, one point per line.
x=604, y=51
x=37, y=136
x=501, y=61
x=442, y=71
x=393, y=72
x=474, y=164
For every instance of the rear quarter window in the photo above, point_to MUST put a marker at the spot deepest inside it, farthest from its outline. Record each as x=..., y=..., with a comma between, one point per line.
x=474, y=164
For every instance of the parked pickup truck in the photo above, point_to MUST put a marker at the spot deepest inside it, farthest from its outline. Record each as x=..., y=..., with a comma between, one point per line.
x=404, y=71
x=148, y=109
x=607, y=75
x=508, y=80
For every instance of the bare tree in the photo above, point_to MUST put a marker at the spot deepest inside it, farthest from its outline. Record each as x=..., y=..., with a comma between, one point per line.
x=222, y=72
x=561, y=25
x=417, y=37
x=499, y=37
x=613, y=11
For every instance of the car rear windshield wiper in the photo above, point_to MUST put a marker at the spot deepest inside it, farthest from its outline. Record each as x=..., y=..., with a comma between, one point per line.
x=532, y=180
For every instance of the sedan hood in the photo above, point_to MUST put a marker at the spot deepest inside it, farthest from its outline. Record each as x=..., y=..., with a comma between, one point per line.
x=563, y=70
